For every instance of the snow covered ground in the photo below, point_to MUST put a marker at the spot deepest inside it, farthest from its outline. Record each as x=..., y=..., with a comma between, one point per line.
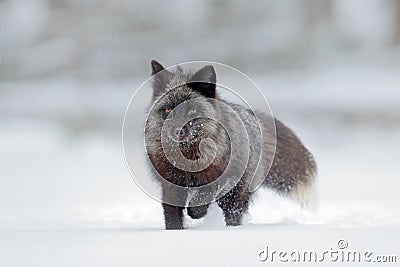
x=67, y=198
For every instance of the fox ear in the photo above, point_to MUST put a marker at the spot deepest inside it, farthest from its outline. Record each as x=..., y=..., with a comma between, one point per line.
x=203, y=81
x=160, y=78
x=156, y=67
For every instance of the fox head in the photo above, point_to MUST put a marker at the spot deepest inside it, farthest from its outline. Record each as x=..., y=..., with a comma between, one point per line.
x=184, y=108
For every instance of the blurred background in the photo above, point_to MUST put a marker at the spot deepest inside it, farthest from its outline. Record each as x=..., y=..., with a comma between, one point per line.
x=114, y=40
x=330, y=70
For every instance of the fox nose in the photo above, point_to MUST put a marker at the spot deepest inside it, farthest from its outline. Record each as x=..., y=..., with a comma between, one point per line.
x=180, y=133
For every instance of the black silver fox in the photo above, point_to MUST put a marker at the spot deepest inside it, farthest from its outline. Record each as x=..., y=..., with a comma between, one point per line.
x=291, y=170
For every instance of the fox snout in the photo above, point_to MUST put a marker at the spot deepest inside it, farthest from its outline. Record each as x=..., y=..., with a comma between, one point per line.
x=188, y=133
x=181, y=133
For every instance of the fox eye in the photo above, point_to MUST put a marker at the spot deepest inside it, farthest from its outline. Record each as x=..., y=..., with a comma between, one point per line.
x=167, y=110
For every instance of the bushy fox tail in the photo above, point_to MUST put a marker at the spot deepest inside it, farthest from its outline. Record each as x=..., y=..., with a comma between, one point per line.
x=293, y=171
x=304, y=194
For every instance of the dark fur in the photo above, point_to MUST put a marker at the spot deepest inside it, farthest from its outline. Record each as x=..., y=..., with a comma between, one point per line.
x=292, y=171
